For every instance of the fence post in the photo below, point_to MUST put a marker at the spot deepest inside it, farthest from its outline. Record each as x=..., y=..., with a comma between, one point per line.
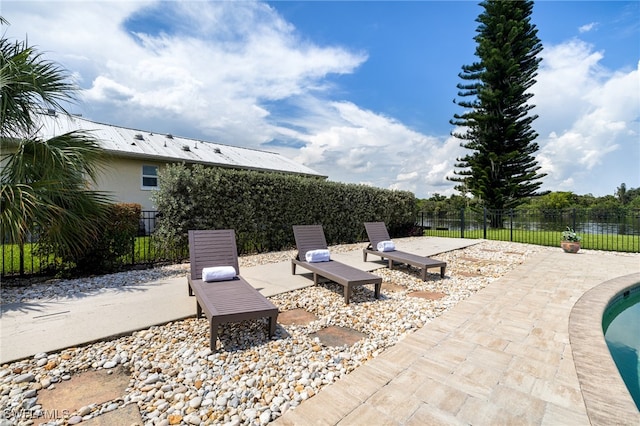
x=462, y=222
x=573, y=224
x=484, y=223
x=21, y=260
x=511, y=225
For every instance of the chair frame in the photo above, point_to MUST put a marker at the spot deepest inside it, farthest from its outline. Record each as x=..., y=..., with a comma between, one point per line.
x=377, y=232
x=311, y=237
x=223, y=301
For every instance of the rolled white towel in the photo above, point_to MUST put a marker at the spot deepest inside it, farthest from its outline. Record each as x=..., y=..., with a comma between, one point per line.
x=386, y=246
x=218, y=273
x=320, y=255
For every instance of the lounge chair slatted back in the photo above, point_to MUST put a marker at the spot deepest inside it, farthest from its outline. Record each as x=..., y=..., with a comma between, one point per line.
x=377, y=232
x=212, y=248
x=309, y=237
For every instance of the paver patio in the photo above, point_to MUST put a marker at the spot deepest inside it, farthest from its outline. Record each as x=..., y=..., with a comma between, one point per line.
x=503, y=356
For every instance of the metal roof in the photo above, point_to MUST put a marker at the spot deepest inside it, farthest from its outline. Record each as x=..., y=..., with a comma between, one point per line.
x=124, y=142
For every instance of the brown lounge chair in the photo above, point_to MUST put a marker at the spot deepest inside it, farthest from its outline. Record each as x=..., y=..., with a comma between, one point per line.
x=311, y=237
x=223, y=301
x=377, y=232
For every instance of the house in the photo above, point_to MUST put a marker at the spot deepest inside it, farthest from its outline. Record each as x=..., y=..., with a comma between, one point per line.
x=138, y=156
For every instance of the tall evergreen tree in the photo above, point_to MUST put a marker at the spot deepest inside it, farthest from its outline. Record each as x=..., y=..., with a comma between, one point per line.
x=501, y=171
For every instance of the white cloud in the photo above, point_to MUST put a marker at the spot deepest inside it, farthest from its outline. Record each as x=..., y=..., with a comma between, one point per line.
x=365, y=147
x=588, y=121
x=105, y=89
x=215, y=65
x=588, y=27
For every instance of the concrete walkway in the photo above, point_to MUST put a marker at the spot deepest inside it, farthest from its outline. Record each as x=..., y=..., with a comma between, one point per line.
x=47, y=326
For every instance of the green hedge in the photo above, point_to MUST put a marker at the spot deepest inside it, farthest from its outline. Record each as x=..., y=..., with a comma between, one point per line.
x=262, y=207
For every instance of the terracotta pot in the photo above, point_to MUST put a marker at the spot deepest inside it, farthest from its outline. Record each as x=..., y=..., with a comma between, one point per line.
x=570, y=246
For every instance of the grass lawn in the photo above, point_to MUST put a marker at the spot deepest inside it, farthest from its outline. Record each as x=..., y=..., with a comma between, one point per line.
x=607, y=242
x=144, y=251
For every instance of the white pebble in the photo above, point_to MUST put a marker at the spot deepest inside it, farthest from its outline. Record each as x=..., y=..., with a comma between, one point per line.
x=195, y=402
x=265, y=417
x=193, y=419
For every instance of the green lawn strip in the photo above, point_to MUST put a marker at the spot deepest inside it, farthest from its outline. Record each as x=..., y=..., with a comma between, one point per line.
x=607, y=242
x=33, y=262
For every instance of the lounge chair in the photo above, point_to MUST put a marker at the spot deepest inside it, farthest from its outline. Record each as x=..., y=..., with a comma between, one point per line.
x=223, y=301
x=311, y=237
x=377, y=232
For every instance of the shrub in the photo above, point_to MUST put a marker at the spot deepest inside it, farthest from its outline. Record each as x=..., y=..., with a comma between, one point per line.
x=262, y=206
x=115, y=241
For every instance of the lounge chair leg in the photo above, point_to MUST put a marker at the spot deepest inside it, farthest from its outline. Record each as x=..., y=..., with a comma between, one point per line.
x=377, y=290
x=189, y=286
x=213, y=333
x=347, y=293
x=442, y=271
x=424, y=274
x=364, y=256
x=293, y=268
x=272, y=326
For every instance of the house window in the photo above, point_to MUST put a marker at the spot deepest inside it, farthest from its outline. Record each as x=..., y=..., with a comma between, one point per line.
x=149, y=177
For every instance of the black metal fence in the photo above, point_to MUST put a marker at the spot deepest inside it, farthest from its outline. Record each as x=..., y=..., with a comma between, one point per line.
x=30, y=259
x=147, y=249
x=613, y=230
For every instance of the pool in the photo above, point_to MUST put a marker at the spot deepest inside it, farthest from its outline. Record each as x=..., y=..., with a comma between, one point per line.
x=621, y=325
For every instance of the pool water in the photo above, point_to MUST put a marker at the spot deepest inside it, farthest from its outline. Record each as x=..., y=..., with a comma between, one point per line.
x=621, y=325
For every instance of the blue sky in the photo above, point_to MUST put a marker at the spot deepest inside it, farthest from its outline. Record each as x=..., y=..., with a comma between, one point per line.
x=359, y=91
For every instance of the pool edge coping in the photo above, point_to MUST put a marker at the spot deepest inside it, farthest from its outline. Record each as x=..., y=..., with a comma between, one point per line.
x=605, y=395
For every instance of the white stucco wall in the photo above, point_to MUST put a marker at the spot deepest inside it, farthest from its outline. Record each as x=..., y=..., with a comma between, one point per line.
x=123, y=180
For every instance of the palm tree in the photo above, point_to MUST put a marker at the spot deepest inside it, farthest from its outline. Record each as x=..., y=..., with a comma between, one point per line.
x=45, y=183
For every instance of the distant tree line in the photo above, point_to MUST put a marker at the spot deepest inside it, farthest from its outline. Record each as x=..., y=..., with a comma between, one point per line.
x=621, y=199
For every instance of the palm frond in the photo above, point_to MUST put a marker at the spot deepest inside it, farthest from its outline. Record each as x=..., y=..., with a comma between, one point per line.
x=28, y=84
